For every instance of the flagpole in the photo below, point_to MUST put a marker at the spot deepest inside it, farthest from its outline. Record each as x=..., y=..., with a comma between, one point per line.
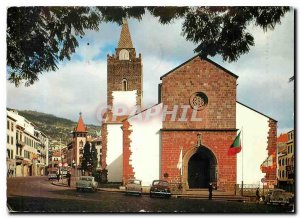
x=242, y=161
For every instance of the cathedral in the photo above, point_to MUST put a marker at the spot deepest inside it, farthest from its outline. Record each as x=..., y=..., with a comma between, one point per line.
x=184, y=138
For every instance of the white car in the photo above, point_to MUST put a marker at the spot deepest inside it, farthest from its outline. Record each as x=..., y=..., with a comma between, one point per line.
x=134, y=186
x=86, y=183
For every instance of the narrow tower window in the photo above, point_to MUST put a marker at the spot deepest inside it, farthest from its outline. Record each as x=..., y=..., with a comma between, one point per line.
x=124, y=85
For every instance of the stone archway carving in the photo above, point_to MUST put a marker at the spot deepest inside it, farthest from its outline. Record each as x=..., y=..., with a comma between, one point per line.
x=192, y=151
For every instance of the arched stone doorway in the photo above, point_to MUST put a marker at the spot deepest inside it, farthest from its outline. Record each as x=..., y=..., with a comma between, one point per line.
x=200, y=168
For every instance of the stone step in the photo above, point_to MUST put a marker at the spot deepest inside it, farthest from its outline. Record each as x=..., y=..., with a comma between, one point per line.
x=218, y=197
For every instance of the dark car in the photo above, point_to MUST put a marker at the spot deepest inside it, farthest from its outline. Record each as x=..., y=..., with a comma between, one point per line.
x=160, y=188
x=52, y=176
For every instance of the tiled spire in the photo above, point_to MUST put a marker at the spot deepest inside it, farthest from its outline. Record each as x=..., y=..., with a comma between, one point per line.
x=125, y=38
x=80, y=125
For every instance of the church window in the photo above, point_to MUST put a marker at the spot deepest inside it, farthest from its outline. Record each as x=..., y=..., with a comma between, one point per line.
x=124, y=85
x=124, y=55
x=198, y=101
x=81, y=144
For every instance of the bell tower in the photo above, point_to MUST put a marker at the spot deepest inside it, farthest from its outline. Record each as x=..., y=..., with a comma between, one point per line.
x=124, y=73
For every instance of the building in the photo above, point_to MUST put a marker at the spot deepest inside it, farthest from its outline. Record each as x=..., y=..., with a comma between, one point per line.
x=11, y=145
x=74, y=151
x=184, y=138
x=97, y=141
x=27, y=147
x=124, y=90
x=258, y=142
x=285, y=164
x=54, y=162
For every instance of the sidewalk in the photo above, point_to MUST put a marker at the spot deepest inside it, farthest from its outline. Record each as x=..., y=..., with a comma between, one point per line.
x=200, y=195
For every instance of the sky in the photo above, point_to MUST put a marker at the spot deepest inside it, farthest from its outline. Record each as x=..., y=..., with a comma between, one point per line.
x=80, y=84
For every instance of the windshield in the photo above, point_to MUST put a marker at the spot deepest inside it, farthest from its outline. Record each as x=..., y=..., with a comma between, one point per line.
x=86, y=178
x=137, y=182
x=162, y=183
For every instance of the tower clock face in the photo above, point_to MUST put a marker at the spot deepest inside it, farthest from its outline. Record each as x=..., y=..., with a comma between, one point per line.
x=124, y=55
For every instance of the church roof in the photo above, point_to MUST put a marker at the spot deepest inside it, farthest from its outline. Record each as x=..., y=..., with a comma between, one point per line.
x=80, y=125
x=125, y=38
x=256, y=111
x=206, y=59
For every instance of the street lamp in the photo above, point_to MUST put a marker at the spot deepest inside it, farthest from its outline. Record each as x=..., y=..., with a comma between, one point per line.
x=73, y=162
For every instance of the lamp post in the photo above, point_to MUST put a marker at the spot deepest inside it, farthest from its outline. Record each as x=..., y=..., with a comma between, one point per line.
x=74, y=168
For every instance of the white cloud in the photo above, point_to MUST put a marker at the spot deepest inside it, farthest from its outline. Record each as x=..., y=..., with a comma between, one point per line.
x=75, y=87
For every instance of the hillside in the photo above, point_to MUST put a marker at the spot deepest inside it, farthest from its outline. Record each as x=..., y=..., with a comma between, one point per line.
x=56, y=128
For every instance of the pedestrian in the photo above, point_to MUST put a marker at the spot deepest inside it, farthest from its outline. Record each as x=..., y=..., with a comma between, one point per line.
x=257, y=194
x=210, y=189
x=58, y=176
x=69, y=178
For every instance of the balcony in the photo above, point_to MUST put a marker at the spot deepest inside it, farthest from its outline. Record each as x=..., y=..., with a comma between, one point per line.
x=18, y=157
x=20, y=143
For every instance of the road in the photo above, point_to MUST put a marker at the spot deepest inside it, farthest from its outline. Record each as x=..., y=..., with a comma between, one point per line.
x=37, y=194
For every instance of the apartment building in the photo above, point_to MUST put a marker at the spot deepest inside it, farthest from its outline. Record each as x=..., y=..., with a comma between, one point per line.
x=27, y=147
x=285, y=175
x=10, y=146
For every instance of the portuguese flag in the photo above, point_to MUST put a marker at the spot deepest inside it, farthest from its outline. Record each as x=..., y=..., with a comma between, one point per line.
x=236, y=146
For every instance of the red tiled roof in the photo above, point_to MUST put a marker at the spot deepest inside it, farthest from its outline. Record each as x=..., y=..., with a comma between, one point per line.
x=282, y=138
x=80, y=125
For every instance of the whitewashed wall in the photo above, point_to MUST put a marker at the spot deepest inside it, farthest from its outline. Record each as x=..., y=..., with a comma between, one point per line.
x=254, y=144
x=114, y=158
x=145, y=145
x=126, y=99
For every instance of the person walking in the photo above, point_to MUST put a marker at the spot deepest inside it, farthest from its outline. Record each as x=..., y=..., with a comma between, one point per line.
x=257, y=195
x=210, y=189
x=69, y=178
x=57, y=176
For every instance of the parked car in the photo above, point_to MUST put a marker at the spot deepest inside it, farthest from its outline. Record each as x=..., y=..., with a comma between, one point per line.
x=63, y=173
x=86, y=183
x=52, y=176
x=134, y=186
x=160, y=188
x=278, y=196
